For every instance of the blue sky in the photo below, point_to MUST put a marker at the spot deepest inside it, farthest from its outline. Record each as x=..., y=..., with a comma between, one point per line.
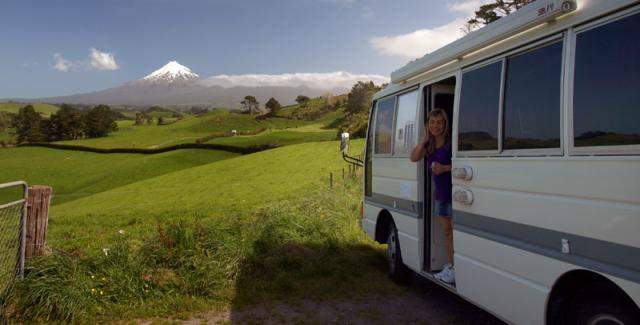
x=63, y=47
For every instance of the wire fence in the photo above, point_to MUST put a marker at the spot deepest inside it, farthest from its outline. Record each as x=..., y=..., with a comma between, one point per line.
x=12, y=217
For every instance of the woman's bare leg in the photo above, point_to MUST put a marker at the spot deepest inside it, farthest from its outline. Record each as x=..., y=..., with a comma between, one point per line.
x=447, y=226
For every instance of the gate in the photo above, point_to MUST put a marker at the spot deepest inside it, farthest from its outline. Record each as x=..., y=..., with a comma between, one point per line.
x=13, y=216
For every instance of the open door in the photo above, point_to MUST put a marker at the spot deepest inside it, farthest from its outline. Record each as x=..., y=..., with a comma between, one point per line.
x=437, y=95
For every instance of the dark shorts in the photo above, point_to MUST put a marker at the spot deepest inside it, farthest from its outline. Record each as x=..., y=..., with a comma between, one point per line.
x=443, y=209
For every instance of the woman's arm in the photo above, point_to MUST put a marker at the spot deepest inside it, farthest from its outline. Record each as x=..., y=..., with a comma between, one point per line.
x=439, y=168
x=420, y=150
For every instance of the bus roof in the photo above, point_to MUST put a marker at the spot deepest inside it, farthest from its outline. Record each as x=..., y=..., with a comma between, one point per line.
x=529, y=16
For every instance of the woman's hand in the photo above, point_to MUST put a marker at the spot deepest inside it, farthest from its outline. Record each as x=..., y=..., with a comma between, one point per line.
x=439, y=168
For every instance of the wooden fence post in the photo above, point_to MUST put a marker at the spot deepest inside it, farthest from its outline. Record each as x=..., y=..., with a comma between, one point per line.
x=37, y=220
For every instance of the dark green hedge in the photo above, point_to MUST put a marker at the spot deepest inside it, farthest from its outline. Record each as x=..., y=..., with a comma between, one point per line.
x=208, y=146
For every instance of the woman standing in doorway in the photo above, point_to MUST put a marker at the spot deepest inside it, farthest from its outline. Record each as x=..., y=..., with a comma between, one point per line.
x=436, y=147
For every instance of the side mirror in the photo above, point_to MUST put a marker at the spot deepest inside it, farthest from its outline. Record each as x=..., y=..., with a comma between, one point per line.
x=344, y=142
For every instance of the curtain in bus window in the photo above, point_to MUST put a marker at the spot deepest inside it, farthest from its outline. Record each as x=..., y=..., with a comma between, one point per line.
x=479, y=108
x=406, y=129
x=606, y=98
x=384, y=125
x=532, y=99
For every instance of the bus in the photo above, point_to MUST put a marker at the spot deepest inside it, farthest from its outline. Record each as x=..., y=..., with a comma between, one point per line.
x=544, y=107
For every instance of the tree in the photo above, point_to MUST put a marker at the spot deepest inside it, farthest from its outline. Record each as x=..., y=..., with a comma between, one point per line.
x=65, y=124
x=273, y=106
x=493, y=11
x=359, y=99
x=250, y=104
x=140, y=118
x=99, y=122
x=302, y=100
x=4, y=121
x=28, y=125
x=160, y=120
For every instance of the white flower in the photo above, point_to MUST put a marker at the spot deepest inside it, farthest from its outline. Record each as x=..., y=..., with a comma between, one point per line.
x=105, y=251
x=121, y=232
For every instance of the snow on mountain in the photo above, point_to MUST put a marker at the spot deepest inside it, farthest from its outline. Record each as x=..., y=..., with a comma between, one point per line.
x=331, y=80
x=171, y=72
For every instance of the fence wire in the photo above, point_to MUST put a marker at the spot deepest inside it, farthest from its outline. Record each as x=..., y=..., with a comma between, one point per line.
x=11, y=222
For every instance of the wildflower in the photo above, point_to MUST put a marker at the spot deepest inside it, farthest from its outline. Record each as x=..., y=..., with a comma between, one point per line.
x=104, y=279
x=101, y=292
x=105, y=251
x=146, y=277
x=93, y=276
x=93, y=290
x=121, y=232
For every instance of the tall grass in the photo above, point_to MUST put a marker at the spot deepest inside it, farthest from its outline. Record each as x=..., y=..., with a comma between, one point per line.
x=312, y=247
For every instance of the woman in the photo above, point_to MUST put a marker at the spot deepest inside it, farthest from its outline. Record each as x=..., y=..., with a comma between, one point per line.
x=436, y=147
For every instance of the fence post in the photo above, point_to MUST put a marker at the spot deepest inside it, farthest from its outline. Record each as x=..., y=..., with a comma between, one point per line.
x=38, y=202
x=330, y=179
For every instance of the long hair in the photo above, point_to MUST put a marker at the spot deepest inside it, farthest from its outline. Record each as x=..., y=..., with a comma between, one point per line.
x=437, y=112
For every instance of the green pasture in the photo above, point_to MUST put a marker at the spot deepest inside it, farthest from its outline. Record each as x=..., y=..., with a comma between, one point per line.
x=76, y=174
x=222, y=235
x=187, y=130
x=45, y=109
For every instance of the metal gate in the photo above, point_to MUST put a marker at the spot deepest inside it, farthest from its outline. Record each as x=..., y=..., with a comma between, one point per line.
x=13, y=217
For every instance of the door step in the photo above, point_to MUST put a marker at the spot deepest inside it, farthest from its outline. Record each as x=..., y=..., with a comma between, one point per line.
x=431, y=276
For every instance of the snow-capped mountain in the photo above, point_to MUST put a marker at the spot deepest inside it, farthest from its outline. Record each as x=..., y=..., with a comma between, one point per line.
x=170, y=73
x=175, y=84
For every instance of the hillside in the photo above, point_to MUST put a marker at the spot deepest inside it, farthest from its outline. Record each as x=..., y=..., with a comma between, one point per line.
x=75, y=174
x=186, y=130
x=45, y=109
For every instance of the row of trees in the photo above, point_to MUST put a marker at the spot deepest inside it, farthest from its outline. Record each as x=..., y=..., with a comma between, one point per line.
x=68, y=123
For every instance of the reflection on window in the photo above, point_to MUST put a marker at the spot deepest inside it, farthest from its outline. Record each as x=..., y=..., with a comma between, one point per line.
x=368, y=186
x=532, y=99
x=406, y=132
x=479, y=107
x=384, y=126
x=606, y=99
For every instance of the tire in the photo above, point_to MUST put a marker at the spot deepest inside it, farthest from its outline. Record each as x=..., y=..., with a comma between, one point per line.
x=398, y=272
x=600, y=307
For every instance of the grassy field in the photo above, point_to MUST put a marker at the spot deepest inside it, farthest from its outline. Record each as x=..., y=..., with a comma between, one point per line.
x=238, y=231
x=45, y=109
x=184, y=131
x=75, y=174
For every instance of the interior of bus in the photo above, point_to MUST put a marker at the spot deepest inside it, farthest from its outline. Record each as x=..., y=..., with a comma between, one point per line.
x=437, y=95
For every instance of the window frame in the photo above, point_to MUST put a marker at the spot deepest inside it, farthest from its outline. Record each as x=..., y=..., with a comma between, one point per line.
x=500, y=152
x=612, y=150
x=393, y=127
x=395, y=119
x=533, y=152
x=480, y=153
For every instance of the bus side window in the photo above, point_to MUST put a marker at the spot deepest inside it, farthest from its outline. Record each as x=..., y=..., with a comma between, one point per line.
x=479, y=108
x=383, y=132
x=606, y=98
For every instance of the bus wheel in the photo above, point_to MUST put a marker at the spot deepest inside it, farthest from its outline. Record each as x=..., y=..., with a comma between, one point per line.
x=599, y=307
x=398, y=272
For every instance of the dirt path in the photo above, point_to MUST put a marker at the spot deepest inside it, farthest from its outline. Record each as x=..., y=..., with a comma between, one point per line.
x=423, y=303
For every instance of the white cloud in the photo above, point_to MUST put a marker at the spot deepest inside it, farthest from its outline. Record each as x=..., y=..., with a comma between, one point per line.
x=60, y=63
x=102, y=60
x=467, y=7
x=420, y=42
x=330, y=80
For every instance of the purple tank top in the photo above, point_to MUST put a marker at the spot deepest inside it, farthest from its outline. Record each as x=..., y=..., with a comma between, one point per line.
x=443, y=181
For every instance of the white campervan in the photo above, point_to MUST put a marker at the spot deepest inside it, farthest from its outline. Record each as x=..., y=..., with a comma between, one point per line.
x=545, y=134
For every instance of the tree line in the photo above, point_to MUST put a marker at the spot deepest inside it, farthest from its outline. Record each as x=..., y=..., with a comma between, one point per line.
x=68, y=123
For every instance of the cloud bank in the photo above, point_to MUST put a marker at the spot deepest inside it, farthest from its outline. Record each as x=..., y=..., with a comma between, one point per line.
x=422, y=41
x=97, y=60
x=330, y=80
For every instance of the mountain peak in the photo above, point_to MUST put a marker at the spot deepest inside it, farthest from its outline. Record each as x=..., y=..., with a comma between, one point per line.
x=170, y=72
